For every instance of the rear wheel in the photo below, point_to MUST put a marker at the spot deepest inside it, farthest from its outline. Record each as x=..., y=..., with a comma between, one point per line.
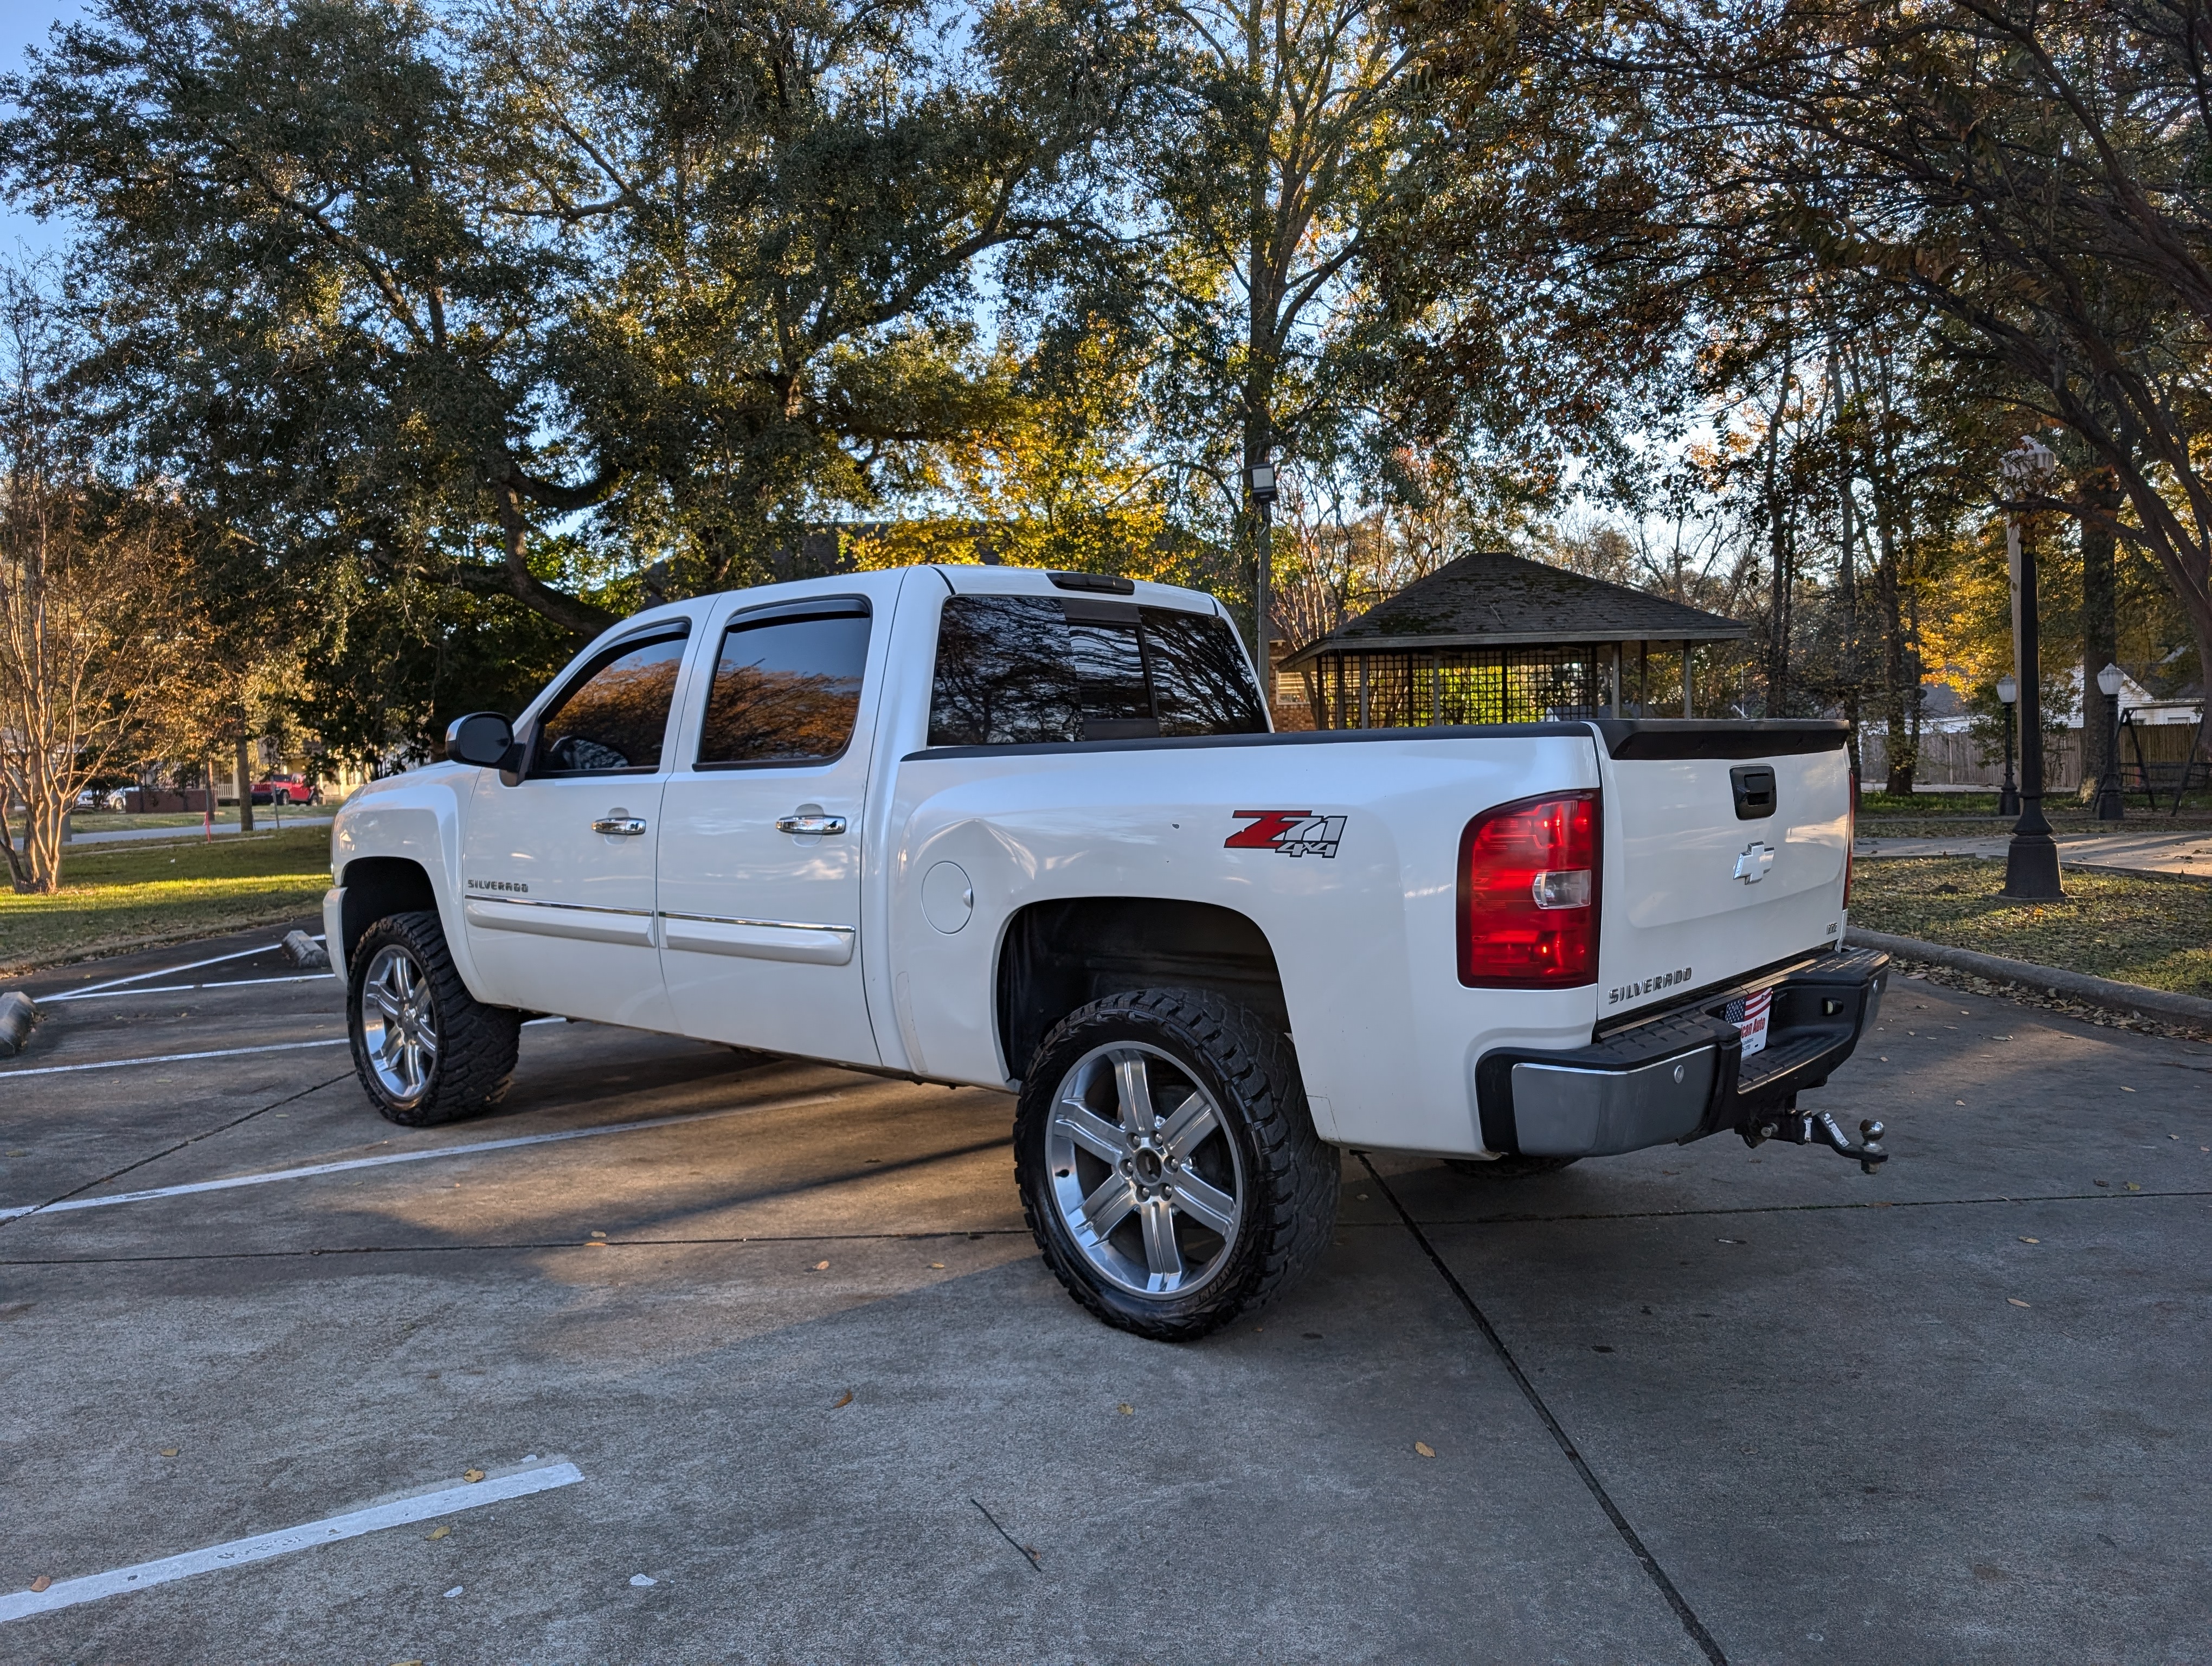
x=425, y=1048
x=1167, y=1165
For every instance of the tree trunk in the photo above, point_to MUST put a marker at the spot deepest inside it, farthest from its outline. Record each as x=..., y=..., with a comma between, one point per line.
x=2101, y=500
x=244, y=767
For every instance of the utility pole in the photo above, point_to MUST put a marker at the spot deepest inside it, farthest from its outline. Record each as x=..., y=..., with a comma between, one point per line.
x=2032, y=858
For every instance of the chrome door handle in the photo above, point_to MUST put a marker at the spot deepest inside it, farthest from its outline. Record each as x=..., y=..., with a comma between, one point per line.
x=622, y=827
x=809, y=823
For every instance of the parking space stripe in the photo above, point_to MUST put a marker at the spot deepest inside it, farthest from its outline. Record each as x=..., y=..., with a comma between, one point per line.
x=164, y=971
x=172, y=989
x=173, y=1058
x=238, y=1552
x=312, y=1169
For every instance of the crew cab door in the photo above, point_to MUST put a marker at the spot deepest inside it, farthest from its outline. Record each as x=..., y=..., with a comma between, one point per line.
x=557, y=870
x=760, y=825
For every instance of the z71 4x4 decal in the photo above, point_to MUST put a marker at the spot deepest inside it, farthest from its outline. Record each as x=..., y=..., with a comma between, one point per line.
x=1293, y=832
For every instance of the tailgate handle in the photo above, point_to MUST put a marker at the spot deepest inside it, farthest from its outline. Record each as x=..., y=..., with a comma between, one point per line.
x=1753, y=785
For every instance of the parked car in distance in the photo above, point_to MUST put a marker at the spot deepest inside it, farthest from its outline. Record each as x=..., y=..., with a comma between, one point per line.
x=286, y=789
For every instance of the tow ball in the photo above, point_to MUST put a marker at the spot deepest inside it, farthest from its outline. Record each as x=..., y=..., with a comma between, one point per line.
x=1811, y=1128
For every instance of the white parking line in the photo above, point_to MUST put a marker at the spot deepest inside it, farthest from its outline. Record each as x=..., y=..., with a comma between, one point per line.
x=238, y=1552
x=351, y=1163
x=173, y=1058
x=163, y=971
x=172, y=989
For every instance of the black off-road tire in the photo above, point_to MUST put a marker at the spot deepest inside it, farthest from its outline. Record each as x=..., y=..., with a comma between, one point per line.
x=1510, y=1167
x=1291, y=1177
x=478, y=1044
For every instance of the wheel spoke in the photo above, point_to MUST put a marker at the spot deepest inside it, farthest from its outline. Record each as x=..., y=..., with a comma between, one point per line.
x=1132, y=1092
x=1091, y=1131
x=1109, y=1206
x=1162, y=1257
x=387, y=1004
x=1183, y=1131
x=1203, y=1202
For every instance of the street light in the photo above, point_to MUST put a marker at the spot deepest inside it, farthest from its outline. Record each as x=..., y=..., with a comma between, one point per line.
x=1260, y=481
x=2032, y=858
x=2008, y=795
x=2109, y=807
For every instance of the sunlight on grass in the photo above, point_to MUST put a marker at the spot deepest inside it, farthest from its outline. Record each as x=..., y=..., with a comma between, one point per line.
x=2152, y=929
x=116, y=897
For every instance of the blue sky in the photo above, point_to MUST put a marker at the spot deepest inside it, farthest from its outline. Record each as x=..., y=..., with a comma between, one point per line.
x=23, y=23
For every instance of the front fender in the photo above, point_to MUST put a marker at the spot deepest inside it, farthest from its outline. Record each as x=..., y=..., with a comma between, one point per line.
x=414, y=818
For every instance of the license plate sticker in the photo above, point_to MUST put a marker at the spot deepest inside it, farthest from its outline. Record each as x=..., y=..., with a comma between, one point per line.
x=1753, y=1024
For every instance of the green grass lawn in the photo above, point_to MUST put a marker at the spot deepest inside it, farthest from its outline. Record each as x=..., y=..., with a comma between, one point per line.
x=118, y=896
x=2138, y=928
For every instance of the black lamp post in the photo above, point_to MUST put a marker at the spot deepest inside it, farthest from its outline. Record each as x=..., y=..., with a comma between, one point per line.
x=2008, y=795
x=2032, y=858
x=2110, y=806
x=1260, y=481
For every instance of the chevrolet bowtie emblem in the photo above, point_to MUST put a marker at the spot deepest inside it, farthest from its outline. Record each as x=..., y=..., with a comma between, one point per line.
x=1751, y=866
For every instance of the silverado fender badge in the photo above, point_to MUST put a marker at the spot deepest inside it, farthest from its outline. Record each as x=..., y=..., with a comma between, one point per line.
x=1293, y=832
x=1751, y=866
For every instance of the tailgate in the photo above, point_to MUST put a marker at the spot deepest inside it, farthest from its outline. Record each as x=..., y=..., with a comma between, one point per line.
x=1724, y=851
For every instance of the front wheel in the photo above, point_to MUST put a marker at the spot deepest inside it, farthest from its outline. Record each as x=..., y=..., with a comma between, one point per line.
x=1168, y=1167
x=426, y=1050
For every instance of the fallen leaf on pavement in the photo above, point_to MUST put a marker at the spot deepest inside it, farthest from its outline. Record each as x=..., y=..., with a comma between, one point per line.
x=471, y=1474
x=42, y=1582
x=938, y=1265
x=598, y=1235
x=2133, y=1187
x=2016, y=1301
x=442, y=1530
x=844, y=1399
x=168, y=1451
x=1126, y=1409
x=2030, y=1240
x=1424, y=1448
x=822, y=1267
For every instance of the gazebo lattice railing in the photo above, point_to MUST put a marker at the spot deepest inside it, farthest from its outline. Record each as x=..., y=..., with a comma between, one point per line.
x=1401, y=688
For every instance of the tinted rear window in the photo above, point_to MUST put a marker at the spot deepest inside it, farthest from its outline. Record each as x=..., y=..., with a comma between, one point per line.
x=1021, y=670
x=785, y=689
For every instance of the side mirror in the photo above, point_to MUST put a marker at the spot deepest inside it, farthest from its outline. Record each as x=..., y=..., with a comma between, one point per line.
x=483, y=739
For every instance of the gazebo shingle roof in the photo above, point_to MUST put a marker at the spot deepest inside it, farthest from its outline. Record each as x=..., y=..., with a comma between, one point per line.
x=1497, y=600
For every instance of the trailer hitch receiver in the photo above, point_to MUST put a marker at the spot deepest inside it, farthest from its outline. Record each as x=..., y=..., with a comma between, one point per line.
x=1811, y=1128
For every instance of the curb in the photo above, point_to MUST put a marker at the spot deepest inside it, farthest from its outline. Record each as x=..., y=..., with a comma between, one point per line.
x=2104, y=992
x=17, y=1015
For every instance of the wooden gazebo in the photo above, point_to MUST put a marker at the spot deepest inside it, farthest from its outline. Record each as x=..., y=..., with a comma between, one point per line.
x=1493, y=638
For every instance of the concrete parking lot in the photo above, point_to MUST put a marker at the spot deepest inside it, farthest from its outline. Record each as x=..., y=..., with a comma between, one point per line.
x=785, y=1322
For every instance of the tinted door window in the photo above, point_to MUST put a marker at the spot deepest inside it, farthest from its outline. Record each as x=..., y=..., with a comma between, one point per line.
x=615, y=717
x=786, y=689
x=1015, y=669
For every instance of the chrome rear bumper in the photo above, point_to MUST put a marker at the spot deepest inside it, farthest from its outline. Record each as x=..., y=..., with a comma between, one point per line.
x=1682, y=1074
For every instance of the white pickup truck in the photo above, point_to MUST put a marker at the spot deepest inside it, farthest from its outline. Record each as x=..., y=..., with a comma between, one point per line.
x=1030, y=832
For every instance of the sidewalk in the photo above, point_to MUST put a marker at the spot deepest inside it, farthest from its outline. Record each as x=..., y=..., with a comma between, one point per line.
x=2187, y=852
x=263, y=823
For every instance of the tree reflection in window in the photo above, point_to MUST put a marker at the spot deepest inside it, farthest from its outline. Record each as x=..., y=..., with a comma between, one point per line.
x=617, y=718
x=1023, y=670
x=785, y=689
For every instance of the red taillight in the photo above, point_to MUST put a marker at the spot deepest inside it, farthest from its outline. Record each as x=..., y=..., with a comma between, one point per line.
x=1527, y=895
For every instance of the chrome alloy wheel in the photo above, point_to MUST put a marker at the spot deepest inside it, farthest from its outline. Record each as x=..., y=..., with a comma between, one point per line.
x=1146, y=1179
x=399, y=1024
